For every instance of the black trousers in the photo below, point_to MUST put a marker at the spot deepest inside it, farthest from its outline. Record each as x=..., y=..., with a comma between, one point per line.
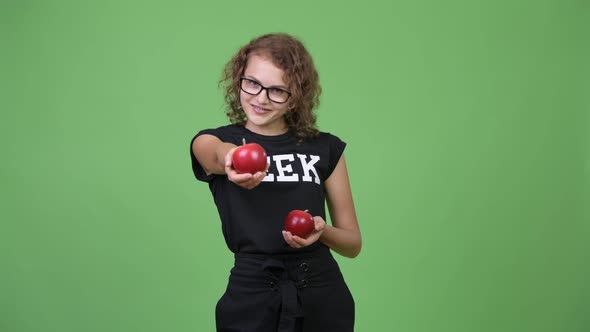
x=286, y=293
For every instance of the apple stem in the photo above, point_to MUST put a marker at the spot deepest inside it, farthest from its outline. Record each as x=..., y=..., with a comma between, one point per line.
x=243, y=141
x=306, y=211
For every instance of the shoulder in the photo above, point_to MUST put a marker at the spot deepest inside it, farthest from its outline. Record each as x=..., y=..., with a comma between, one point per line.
x=331, y=147
x=328, y=143
x=224, y=133
x=327, y=138
x=328, y=135
x=227, y=129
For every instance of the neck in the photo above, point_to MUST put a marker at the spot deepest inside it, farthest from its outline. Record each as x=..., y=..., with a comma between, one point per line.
x=279, y=130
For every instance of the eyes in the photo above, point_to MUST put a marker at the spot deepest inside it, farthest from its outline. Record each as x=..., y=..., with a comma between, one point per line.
x=255, y=85
x=250, y=83
x=252, y=87
x=276, y=91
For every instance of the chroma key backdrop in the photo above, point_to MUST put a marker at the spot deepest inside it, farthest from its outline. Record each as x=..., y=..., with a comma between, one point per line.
x=468, y=153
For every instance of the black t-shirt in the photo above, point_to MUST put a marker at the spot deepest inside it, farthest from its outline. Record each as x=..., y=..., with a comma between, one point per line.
x=252, y=220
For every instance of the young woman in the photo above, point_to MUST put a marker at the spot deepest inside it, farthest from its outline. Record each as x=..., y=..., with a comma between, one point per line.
x=279, y=282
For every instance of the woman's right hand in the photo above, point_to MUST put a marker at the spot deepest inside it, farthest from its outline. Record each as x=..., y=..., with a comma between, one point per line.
x=245, y=180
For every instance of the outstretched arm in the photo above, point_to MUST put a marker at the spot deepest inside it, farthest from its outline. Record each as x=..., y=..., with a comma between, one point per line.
x=215, y=158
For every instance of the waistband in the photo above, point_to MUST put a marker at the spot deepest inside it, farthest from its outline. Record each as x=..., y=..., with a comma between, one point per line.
x=286, y=274
x=321, y=251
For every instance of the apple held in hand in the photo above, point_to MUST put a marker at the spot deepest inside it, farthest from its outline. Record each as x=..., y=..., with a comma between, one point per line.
x=249, y=158
x=299, y=223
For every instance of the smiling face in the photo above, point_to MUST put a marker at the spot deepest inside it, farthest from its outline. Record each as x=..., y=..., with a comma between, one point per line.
x=265, y=117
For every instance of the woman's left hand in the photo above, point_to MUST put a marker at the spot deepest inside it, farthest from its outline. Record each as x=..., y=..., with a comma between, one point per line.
x=298, y=242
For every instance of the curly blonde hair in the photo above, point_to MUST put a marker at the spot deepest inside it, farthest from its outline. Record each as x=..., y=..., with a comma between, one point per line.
x=290, y=55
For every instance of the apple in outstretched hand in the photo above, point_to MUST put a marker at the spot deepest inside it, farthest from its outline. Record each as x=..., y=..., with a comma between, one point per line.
x=249, y=158
x=299, y=223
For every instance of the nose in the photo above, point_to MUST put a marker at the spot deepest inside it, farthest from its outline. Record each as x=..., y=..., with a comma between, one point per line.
x=262, y=96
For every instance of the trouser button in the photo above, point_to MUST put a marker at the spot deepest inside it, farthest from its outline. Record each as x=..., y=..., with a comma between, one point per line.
x=304, y=266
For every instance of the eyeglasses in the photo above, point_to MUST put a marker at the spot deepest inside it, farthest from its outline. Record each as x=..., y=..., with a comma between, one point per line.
x=252, y=87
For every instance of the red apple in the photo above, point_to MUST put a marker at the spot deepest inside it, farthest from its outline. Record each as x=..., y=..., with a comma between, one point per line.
x=299, y=223
x=249, y=158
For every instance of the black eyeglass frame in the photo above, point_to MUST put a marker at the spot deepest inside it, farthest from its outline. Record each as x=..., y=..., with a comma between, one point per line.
x=262, y=87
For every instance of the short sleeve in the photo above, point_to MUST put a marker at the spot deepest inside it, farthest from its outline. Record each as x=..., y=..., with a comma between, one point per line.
x=198, y=170
x=337, y=147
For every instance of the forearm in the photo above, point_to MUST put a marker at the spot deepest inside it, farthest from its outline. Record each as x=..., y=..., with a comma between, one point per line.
x=345, y=242
x=220, y=153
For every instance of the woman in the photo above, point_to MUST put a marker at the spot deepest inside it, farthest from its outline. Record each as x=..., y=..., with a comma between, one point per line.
x=279, y=282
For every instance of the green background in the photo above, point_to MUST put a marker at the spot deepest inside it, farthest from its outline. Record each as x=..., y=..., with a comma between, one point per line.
x=467, y=128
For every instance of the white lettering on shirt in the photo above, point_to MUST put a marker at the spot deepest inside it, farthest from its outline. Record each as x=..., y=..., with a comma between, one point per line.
x=269, y=176
x=308, y=167
x=283, y=164
x=282, y=177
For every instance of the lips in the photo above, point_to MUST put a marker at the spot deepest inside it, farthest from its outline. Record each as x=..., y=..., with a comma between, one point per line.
x=260, y=110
